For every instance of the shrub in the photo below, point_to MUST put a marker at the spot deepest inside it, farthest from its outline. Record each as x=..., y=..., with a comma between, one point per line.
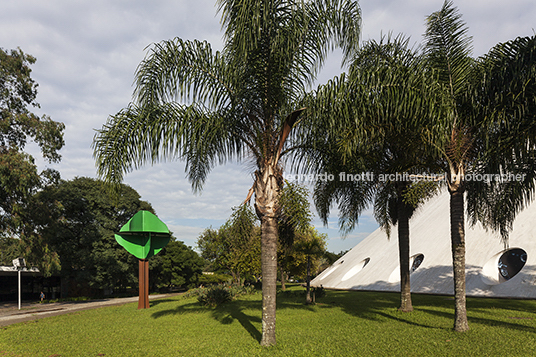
x=218, y=294
x=318, y=292
x=214, y=295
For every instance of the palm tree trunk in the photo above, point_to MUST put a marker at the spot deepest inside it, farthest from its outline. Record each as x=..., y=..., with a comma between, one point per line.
x=457, y=234
x=403, y=251
x=269, y=278
x=267, y=186
x=283, y=279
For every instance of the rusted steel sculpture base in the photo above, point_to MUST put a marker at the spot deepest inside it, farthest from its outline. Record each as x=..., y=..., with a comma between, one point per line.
x=143, y=301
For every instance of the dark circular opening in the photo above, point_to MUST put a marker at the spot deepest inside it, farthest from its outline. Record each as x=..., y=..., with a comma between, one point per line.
x=511, y=262
x=417, y=261
x=365, y=262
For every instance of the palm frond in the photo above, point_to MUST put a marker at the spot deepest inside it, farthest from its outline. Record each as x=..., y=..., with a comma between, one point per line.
x=187, y=71
x=448, y=47
x=137, y=136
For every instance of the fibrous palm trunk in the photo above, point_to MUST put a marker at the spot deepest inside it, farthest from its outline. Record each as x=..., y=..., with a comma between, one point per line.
x=458, y=258
x=267, y=189
x=403, y=250
x=269, y=279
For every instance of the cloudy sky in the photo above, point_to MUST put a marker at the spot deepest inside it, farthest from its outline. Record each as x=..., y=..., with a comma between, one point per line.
x=87, y=53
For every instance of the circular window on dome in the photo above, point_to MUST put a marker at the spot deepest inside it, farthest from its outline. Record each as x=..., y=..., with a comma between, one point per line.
x=503, y=266
x=511, y=262
x=417, y=261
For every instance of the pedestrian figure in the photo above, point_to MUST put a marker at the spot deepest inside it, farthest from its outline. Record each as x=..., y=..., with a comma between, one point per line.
x=42, y=296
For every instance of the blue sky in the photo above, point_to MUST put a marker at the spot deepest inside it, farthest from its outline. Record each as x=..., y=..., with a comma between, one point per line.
x=87, y=53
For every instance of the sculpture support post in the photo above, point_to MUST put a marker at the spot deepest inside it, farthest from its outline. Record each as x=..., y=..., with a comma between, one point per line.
x=143, y=300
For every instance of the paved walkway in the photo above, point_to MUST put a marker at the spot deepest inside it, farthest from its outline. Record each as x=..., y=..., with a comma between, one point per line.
x=10, y=313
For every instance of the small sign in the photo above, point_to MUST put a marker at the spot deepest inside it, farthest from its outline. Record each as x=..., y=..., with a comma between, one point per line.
x=19, y=263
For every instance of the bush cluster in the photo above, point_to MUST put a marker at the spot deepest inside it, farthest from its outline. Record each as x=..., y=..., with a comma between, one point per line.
x=218, y=294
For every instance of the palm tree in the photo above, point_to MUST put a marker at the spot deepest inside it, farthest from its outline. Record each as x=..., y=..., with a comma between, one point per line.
x=488, y=103
x=207, y=108
x=374, y=131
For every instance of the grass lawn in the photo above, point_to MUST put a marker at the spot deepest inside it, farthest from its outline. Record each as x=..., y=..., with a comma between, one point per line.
x=341, y=324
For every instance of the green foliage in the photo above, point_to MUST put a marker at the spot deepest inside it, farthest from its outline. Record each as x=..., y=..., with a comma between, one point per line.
x=216, y=295
x=19, y=178
x=77, y=220
x=242, y=103
x=294, y=224
x=177, y=265
x=10, y=248
x=308, y=245
x=373, y=130
x=295, y=207
x=234, y=247
x=18, y=91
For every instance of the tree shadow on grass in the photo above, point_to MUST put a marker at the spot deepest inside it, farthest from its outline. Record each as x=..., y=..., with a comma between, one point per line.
x=153, y=303
x=239, y=310
x=373, y=306
x=225, y=314
x=486, y=320
x=384, y=305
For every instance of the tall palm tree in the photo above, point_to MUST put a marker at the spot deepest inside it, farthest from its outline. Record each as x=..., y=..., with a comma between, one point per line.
x=374, y=130
x=208, y=107
x=488, y=102
x=448, y=49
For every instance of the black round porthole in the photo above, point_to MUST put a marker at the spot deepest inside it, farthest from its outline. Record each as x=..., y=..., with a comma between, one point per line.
x=417, y=261
x=511, y=262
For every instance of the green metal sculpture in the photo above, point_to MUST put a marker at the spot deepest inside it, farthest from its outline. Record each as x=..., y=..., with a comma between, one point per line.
x=143, y=236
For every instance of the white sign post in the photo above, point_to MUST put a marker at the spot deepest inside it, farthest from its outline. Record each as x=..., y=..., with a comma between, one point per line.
x=19, y=264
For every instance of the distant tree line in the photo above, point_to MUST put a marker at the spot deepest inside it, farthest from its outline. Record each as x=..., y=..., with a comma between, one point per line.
x=73, y=224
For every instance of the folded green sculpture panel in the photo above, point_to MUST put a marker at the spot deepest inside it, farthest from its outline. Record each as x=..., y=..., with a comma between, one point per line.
x=143, y=236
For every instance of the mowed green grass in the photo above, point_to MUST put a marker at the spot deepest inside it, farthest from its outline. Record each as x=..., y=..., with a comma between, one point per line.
x=340, y=324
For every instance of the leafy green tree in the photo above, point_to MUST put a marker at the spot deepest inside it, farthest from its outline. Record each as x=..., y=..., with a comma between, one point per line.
x=295, y=217
x=235, y=246
x=77, y=220
x=490, y=110
x=176, y=265
x=312, y=245
x=19, y=178
x=18, y=91
x=210, y=245
x=241, y=103
x=10, y=248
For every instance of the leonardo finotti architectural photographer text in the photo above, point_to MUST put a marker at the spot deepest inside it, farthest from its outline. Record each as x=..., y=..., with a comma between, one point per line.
x=406, y=177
